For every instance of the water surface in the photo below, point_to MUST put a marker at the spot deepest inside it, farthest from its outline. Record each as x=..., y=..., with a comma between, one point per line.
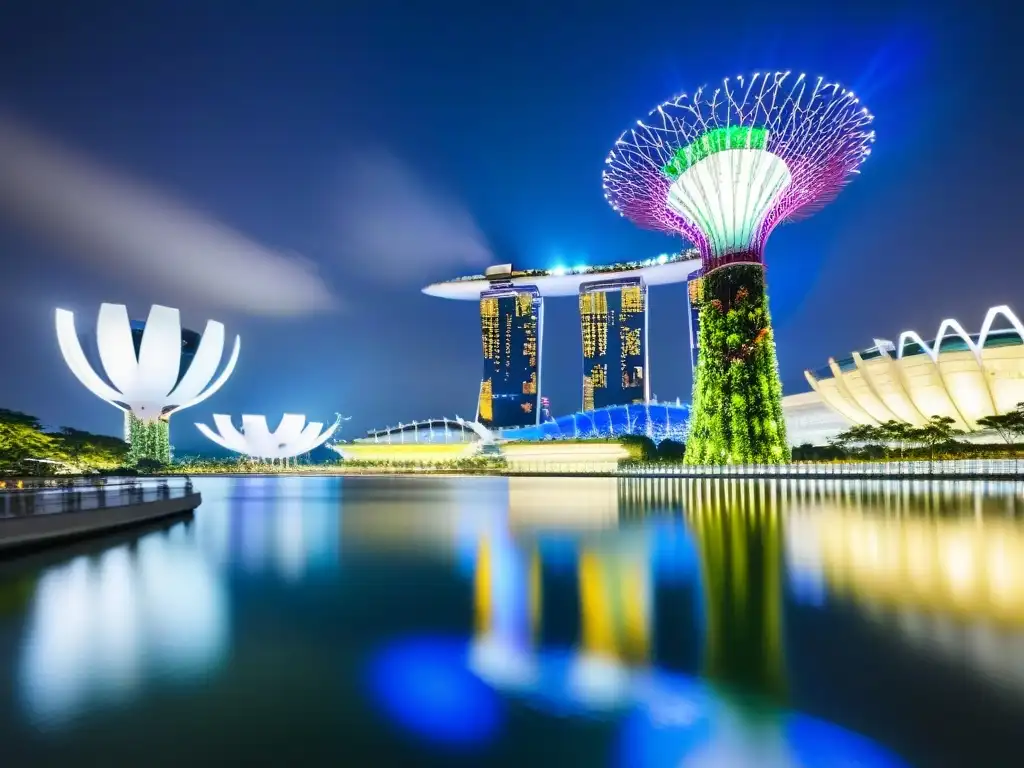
x=529, y=622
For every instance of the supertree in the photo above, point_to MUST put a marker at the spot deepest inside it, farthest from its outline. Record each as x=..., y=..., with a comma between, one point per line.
x=723, y=168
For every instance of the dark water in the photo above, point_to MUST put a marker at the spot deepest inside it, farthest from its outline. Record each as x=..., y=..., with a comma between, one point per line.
x=529, y=622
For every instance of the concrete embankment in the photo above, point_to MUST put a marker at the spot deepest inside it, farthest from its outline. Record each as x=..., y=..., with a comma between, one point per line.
x=31, y=531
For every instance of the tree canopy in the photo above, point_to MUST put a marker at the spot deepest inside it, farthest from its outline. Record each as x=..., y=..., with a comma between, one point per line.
x=24, y=442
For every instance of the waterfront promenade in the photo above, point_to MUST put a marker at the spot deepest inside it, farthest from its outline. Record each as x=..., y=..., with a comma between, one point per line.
x=39, y=513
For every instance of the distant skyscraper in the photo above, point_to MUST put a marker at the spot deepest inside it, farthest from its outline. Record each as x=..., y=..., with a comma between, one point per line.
x=613, y=321
x=511, y=324
x=693, y=288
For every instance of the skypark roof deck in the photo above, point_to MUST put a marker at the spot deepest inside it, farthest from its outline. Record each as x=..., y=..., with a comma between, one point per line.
x=661, y=270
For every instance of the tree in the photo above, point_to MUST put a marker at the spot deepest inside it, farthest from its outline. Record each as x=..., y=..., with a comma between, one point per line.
x=858, y=434
x=1009, y=426
x=671, y=450
x=88, y=451
x=21, y=438
x=149, y=466
x=897, y=433
x=641, y=447
x=938, y=430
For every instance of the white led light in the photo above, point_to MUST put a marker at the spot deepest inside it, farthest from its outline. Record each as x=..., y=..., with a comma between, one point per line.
x=728, y=194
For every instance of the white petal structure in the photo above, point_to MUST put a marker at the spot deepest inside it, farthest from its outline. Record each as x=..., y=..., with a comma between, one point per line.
x=145, y=383
x=962, y=376
x=292, y=437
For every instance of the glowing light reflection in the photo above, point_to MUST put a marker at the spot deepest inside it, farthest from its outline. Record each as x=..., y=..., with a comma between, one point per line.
x=425, y=685
x=98, y=628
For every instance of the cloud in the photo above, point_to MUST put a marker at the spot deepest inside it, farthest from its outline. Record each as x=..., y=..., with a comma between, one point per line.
x=394, y=227
x=136, y=234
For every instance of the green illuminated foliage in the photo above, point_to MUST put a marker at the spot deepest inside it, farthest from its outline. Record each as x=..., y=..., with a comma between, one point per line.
x=737, y=398
x=26, y=448
x=718, y=140
x=21, y=438
x=148, y=440
x=85, y=450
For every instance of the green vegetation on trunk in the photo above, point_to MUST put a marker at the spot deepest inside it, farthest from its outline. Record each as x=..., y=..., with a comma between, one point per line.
x=148, y=440
x=737, y=396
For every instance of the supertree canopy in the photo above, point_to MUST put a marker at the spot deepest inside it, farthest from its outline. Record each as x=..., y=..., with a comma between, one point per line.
x=722, y=168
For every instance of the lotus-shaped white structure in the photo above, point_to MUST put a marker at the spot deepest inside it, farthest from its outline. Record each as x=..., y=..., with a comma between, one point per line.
x=965, y=377
x=153, y=369
x=292, y=437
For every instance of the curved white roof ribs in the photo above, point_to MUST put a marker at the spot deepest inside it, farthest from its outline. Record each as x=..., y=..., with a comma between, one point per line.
x=915, y=386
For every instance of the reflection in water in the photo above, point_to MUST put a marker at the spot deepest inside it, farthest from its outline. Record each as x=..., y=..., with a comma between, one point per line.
x=660, y=610
x=967, y=567
x=950, y=583
x=615, y=600
x=682, y=722
x=739, y=532
x=425, y=685
x=546, y=502
x=272, y=524
x=99, y=627
x=613, y=577
x=838, y=538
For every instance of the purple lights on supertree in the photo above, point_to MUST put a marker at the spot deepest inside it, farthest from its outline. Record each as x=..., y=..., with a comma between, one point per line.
x=723, y=167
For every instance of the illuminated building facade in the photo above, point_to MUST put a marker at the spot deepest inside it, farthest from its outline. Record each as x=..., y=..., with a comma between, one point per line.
x=511, y=325
x=965, y=377
x=613, y=323
x=693, y=288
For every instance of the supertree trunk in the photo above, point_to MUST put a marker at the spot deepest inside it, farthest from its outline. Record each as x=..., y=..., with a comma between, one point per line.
x=737, y=395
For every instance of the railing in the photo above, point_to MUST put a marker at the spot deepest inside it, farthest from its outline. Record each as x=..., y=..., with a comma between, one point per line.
x=952, y=468
x=948, y=468
x=81, y=495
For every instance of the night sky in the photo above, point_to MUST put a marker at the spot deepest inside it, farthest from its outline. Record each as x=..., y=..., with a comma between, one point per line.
x=303, y=169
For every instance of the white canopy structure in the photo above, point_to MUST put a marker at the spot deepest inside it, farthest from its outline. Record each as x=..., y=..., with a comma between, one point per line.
x=146, y=383
x=292, y=437
x=963, y=376
x=153, y=369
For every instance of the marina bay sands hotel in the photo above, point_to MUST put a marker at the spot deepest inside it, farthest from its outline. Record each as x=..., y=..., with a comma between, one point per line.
x=613, y=324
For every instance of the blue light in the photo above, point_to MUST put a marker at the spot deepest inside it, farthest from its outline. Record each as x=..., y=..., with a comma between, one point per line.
x=674, y=719
x=558, y=552
x=675, y=553
x=425, y=686
x=818, y=744
x=558, y=271
x=663, y=259
x=681, y=719
x=658, y=421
